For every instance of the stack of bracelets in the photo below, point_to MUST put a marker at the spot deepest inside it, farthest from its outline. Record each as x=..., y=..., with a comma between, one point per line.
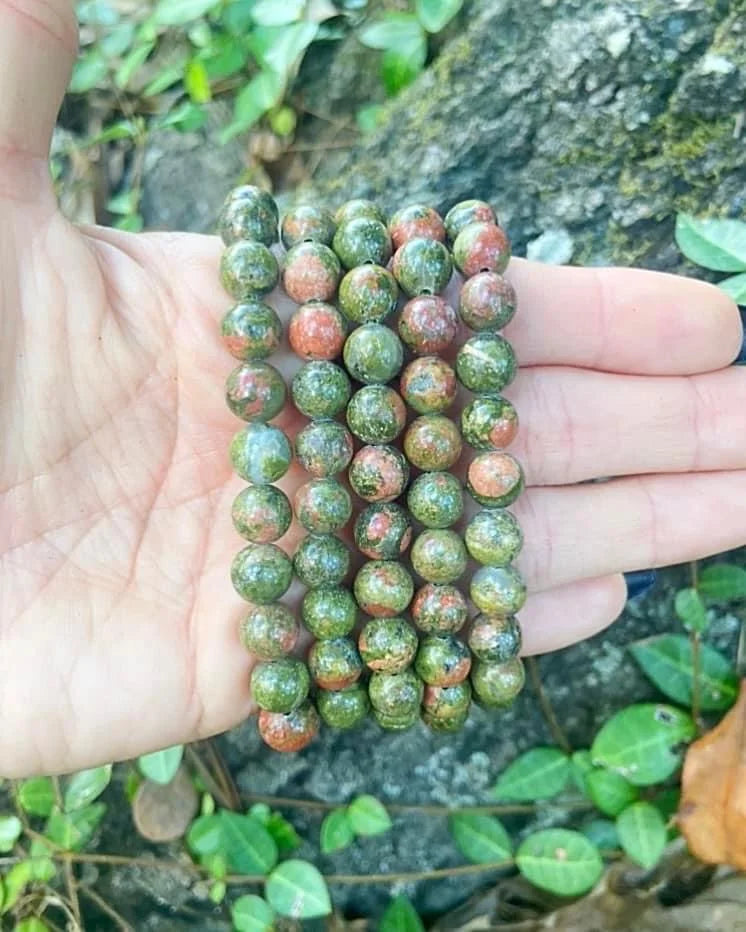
x=346, y=272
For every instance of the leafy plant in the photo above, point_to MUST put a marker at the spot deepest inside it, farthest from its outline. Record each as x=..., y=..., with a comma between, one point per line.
x=719, y=245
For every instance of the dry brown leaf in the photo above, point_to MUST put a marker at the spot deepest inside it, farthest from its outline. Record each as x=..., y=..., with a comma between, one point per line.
x=163, y=812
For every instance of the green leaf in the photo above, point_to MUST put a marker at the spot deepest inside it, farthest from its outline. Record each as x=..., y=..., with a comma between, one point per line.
x=186, y=118
x=96, y=13
x=165, y=78
x=83, y=787
x=272, y=13
x=42, y=866
x=224, y=58
x=602, y=833
x=179, y=12
x=161, y=766
x=36, y=796
x=391, y=31
x=73, y=830
x=290, y=44
x=31, y=924
x=297, y=890
x=197, y=82
x=723, y=582
x=642, y=742
x=609, y=791
x=15, y=882
x=580, y=766
x=480, y=838
x=136, y=59
x=561, y=861
x=368, y=816
x=252, y=914
x=283, y=120
x=284, y=834
x=205, y=835
x=118, y=40
x=436, y=14
x=336, y=831
x=400, y=916
x=252, y=102
x=691, y=610
x=217, y=892
x=132, y=223
x=248, y=846
x=713, y=244
x=10, y=832
x=735, y=287
x=122, y=129
x=399, y=67
x=89, y=71
x=369, y=118
x=538, y=774
x=236, y=17
x=642, y=833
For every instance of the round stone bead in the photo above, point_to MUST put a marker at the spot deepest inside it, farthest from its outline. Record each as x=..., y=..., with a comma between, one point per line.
x=248, y=269
x=310, y=272
x=417, y=221
x=280, y=685
x=495, y=639
x=290, y=732
x=255, y=391
x=251, y=330
x=447, y=703
x=320, y=389
x=261, y=513
x=396, y=694
x=481, y=247
x=494, y=479
x=343, y=708
x=396, y=722
x=489, y=422
x=487, y=301
x=493, y=537
x=307, y=222
x=261, y=573
x=383, y=531
x=465, y=212
x=428, y=325
x=358, y=207
x=324, y=448
x=329, y=611
x=497, y=684
x=376, y=414
x=321, y=560
x=442, y=660
x=335, y=663
x=388, y=644
x=269, y=631
x=248, y=213
x=432, y=442
x=436, y=499
x=428, y=385
x=383, y=588
x=317, y=331
x=498, y=590
x=368, y=294
x=439, y=556
x=486, y=363
x=445, y=725
x=373, y=353
x=323, y=506
x=439, y=609
x=422, y=266
x=261, y=453
x=361, y=240
x=378, y=473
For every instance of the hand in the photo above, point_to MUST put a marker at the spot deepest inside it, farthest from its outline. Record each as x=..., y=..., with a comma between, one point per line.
x=119, y=622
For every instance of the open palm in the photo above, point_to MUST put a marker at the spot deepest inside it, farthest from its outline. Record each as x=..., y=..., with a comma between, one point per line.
x=118, y=631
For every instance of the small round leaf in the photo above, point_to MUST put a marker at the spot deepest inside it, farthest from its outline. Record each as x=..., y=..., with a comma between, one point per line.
x=251, y=913
x=480, y=838
x=368, y=816
x=161, y=766
x=400, y=916
x=36, y=796
x=538, y=774
x=336, y=831
x=297, y=890
x=609, y=791
x=85, y=786
x=642, y=833
x=561, y=861
x=10, y=832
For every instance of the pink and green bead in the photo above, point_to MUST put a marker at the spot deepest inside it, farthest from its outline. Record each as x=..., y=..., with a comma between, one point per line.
x=251, y=330
x=289, y=732
x=439, y=609
x=307, y=223
x=248, y=213
x=248, y=269
x=335, y=663
x=428, y=325
x=321, y=560
x=446, y=708
x=486, y=363
x=323, y=506
x=317, y=331
x=487, y=302
x=269, y=631
x=496, y=685
x=261, y=513
x=439, y=556
x=428, y=385
x=324, y=448
x=489, y=422
x=343, y=708
x=383, y=531
x=383, y=588
x=417, y=221
x=329, y=612
x=432, y=443
x=466, y=212
x=376, y=414
x=378, y=473
x=422, y=267
x=261, y=573
x=481, y=247
x=388, y=645
x=368, y=294
x=494, y=479
x=361, y=240
x=310, y=272
x=436, y=499
x=255, y=391
x=280, y=685
x=442, y=660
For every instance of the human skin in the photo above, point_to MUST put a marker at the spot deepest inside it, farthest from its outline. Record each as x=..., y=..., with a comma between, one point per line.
x=119, y=630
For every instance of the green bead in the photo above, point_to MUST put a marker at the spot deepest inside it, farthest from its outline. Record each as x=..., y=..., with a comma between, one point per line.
x=289, y=732
x=323, y=506
x=445, y=704
x=368, y=294
x=396, y=722
x=324, y=448
x=495, y=639
x=439, y=556
x=255, y=391
x=307, y=222
x=388, y=644
x=498, y=590
x=343, y=708
x=376, y=414
x=261, y=573
x=280, y=685
x=248, y=213
x=489, y=422
x=497, y=684
x=251, y=330
x=446, y=725
x=378, y=473
x=320, y=389
x=495, y=479
x=428, y=385
x=358, y=207
x=329, y=611
x=383, y=531
x=310, y=272
x=373, y=353
x=466, y=212
x=486, y=363
x=321, y=560
x=261, y=453
x=422, y=266
x=396, y=694
x=442, y=660
x=436, y=499
x=335, y=663
x=261, y=513
x=361, y=240
x=248, y=269
x=432, y=442
x=269, y=631
x=439, y=609
x=414, y=221
x=383, y=588
x=481, y=247
x=487, y=301
x=493, y=537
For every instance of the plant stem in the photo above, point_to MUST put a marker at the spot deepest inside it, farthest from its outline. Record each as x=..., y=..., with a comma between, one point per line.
x=694, y=640
x=555, y=728
x=120, y=921
x=70, y=883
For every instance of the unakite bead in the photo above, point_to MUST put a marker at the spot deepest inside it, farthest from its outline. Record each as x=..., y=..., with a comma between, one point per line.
x=495, y=639
x=260, y=453
x=343, y=708
x=334, y=663
x=373, y=353
x=291, y=732
x=428, y=385
x=439, y=556
x=323, y=506
x=481, y=247
x=324, y=448
x=251, y=330
x=329, y=611
x=261, y=573
x=378, y=473
x=436, y=499
x=493, y=537
x=269, y=631
x=486, y=363
x=376, y=414
x=368, y=294
x=489, y=422
x=446, y=725
x=465, y=212
x=255, y=391
x=248, y=213
x=498, y=590
x=487, y=301
x=388, y=644
x=320, y=389
x=280, y=685
x=317, y=331
x=307, y=222
x=494, y=479
x=428, y=325
x=310, y=272
x=358, y=207
x=439, y=609
x=432, y=442
x=321, y=560
x=422, y=266
x=497, y=684
x=442, y=660
x=248, y=269
x=361, y=240
x=414, y=222
x=383, y=588
x=261, y=513
x=395, y=722
x=447, y=703
x=396, y=694
x=383, y=531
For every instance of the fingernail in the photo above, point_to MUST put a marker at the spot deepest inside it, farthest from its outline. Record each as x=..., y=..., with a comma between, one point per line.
x=639, y=582
x=741, y=358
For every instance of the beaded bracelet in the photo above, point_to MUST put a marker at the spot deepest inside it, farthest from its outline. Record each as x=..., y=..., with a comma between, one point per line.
x=347, y=273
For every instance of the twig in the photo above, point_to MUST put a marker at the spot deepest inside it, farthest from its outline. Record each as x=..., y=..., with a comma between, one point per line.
x=106, y=908
x=221, y=787
x=70, y=882
x=546, y=706
x=694, y=640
